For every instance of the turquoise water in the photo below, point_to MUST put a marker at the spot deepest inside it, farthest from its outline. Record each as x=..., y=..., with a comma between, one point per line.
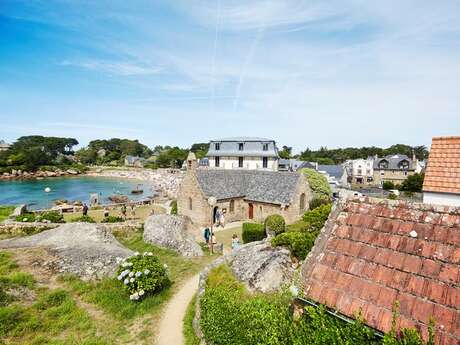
x=32, y=192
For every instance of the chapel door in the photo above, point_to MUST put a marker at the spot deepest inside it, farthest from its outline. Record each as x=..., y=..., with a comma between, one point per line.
x=251, y=211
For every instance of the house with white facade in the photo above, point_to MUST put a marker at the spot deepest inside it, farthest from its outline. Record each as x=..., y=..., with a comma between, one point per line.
x=442, y=177
x=4, y=146
x=360, y=171
x=243, y=153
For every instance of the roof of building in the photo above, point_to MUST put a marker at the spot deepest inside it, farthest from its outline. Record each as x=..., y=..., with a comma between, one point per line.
x=332, y=170
x=393, y=162
x=373, y=253
x=443, y=170
x=295, y=164
x=263, y=186
x=252, y=147
x=240, y=139
x=3, y=143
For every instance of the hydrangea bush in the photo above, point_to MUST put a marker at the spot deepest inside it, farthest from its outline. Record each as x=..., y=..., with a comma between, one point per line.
x=143, y=274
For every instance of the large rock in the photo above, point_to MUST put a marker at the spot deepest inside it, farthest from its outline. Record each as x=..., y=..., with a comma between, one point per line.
x=19, y=210
x=171, y=232
x=262, y=267
x=87, y=250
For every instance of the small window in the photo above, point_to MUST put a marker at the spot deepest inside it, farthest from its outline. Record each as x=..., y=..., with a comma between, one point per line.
x=382, y=173
x=241, y=146
x=232, y=206
x=240, y=162
x=190, y=204
x=217, y=161
x=360, y=171
x=265, y=162
x=265, y=147
x=217, y=146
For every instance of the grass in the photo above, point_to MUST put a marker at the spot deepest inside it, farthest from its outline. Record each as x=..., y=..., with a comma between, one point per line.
x=189, y=333
x=225, y=236
x=5, y=212
x=52, y=317
x=142, y=212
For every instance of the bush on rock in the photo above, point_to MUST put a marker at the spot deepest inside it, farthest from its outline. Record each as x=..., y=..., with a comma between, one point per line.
x=275, y=223
x=83, y=219
x=142, y=275
x=299, y=243
x=317, y=217
x=253, y=232
x=112, y=219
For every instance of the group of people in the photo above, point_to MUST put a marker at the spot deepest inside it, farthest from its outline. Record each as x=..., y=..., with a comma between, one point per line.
x=211, y=240
x=123, y=210
x=220, y=218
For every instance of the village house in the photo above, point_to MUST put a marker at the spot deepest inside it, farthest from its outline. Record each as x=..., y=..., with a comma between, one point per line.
x=242, y=194
x=394, y=168
x=134, y=161
x=4, y=146
x=295, y=165
x=442, y=176
x=373, y=254
x=360, y=171
x=243, y=153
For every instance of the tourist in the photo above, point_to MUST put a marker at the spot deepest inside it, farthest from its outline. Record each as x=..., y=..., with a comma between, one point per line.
x=123, y=211
x=222, y=219
x=235, y=242
x=213, y=242
x=106, y=212
x=85, y=210
x=217, y=218
x=133, y=210
x=207, y=235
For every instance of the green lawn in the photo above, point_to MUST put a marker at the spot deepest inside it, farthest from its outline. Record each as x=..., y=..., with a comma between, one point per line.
x=225, y=236
x=5, y=212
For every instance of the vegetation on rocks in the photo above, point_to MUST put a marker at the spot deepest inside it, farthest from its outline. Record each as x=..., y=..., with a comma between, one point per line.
x=49, y=216
x=83, y=219
x=5, y=212
x=231, y=315
x=317, y=217
x=253, y=232
x=318, y=184
x=112, y=219
x=174, y=207
x=275, y=223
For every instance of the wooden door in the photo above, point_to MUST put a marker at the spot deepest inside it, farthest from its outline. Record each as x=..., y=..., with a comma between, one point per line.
x=251, y=211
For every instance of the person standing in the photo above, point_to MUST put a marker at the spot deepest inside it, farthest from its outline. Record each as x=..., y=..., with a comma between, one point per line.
x=222, y=220
x=235, y=242
x=133, y=210
x=106, y=212
x=213, y=242
x=123, y=211
x=85, y=210
x=207, y=235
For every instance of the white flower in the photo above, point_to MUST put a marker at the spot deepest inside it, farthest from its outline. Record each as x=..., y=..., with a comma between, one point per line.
x=165, y=266
x=150, y=254
x=131, y=274
x=126, y=282
x=136, y=254
x=24, y=219
x=294, y=290
x=132, y=280
x=134, y=296
x=147, y=272
x=124, y=264
x=141, y=292
x=138, y=274
x=120, y=277
x=118, y=260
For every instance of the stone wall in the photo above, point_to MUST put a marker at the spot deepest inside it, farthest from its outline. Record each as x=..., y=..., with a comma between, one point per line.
x=189, y=190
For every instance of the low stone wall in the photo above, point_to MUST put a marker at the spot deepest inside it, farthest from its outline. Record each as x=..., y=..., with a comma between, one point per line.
x=13, y=229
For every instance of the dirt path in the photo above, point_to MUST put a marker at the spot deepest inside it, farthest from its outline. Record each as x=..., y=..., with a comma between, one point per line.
x=170, y=329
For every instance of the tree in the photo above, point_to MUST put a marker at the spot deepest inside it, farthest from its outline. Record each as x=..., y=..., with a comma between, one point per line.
x=413, y=183
x=200, y=149
x=286, y=152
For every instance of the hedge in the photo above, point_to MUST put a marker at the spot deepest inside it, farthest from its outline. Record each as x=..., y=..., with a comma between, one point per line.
x=275, y=223
x=253, y=232
x=299, y=243
x=317, y=217
x=318, y=184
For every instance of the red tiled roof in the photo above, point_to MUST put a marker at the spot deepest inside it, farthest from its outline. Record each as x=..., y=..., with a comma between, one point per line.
x=373, y=253
x=443, y=170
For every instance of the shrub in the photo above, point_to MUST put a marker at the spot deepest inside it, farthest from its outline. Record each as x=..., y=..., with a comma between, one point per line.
x=318, y=184
x=26, y=218
x=413, y=183
x=83, y=219
x=112, y=219
x=316, y=202
x=142, y=275
x=253, y=232
x=387, y=185
x=392, y=196
x=299, y=243
x=298, y=226
x=275, y=223
x=51, y=216
x=174, y=207
x=317, y=217
x=5, y=212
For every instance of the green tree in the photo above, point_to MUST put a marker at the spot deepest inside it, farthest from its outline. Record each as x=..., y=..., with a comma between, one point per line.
x=286, y=152
x=413, y=183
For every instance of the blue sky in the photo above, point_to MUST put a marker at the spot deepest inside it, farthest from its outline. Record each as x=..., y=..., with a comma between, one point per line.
x=306, y=73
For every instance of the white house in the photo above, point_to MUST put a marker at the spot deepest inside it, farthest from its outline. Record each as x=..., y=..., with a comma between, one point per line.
x=243, y=153
x=442, y=177
x=4, y=146
x=360, y=171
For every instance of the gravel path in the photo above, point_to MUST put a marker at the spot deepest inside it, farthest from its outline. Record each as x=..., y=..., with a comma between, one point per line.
x=170, y=330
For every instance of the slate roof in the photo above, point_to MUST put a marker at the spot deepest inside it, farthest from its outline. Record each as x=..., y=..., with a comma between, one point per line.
x=373, y=253
x=443, y=170
x=253, y=147
x=393, y=161
x=333, y=170
x=263, y=186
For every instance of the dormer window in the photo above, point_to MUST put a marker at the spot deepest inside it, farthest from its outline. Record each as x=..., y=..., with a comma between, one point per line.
x=383, y=164
x=403, y=165
x=217, y=146
x=240, y=146
x=265, y=147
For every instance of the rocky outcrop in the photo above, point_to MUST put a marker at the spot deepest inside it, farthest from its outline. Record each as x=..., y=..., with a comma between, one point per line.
x=19, y=174
x=87, y=250
x=19, y=210
x=171, y=232
x=262, y=267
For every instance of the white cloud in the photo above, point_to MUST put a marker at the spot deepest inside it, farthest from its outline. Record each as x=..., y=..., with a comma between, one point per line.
x=114, y=67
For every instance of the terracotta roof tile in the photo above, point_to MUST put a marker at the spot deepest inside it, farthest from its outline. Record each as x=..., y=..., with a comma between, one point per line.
x=443, y=169
x=367, y=258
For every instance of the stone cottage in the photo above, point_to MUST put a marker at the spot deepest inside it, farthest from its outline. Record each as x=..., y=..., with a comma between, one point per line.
x=241, y=194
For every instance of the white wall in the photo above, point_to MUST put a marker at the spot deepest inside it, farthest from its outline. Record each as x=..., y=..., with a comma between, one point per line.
x=250, y=163
x=441, y=198
x=365, y=165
